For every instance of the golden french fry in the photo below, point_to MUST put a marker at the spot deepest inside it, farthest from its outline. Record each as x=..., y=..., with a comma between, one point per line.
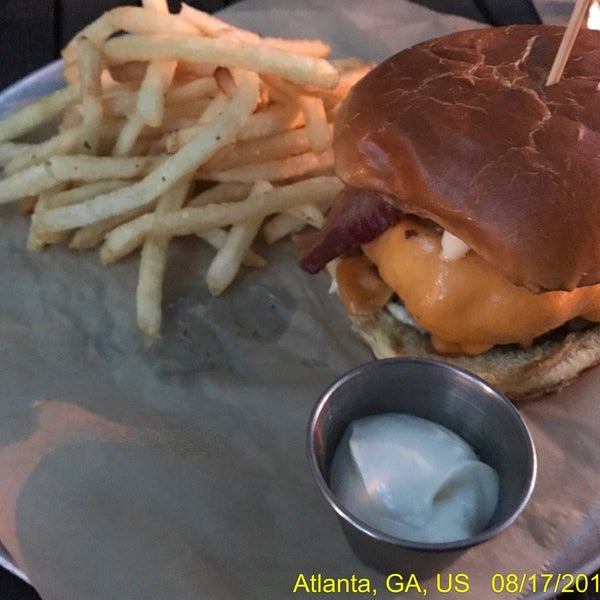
x=85, y=136
x=124, y=239
x=39, y=112
x=94, y=168
x=119, y=102
x=60, y=144
x=150, y=103
x=157, y=5
x=191, y=91
x=228, y=260
x=317, y=190
x=183, y=136
x=90, y=71
x=128, y=135
x=30, y=182
x=245, y=152
x=214, y=108
x=61, y=196
x=132, y=233
x=11, y=150
x=149, y=107
x=81, y=193
x=276, y=119
x=39, y=178
x=292, y=221
x=309, y=213
x=317, y=128
x=316, y=48
x=152, y=265
x=280, y=226
x=92, y=235
x=276, y=170
x=222, y=192
x=38, y=238
x=293, y=67
x=90, y=88
x=189, y=221
x=217, y=238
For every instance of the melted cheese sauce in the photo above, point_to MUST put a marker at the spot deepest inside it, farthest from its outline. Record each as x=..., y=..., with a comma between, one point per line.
x=413, y=478
x=467, y=305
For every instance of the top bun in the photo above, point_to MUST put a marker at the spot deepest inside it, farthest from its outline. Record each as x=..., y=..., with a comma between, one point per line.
x=463, y=130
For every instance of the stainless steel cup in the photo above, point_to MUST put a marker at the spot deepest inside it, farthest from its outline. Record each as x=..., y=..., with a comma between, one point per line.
x=442, y=393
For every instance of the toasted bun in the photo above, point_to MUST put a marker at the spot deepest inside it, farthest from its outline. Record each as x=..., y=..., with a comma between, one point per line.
x=463, y=130
x=520, y=374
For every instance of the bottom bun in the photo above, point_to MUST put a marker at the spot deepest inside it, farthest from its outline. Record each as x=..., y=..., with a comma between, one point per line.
x=548, y=365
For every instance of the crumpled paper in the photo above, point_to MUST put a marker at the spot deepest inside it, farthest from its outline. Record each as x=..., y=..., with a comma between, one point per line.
x=176, y=468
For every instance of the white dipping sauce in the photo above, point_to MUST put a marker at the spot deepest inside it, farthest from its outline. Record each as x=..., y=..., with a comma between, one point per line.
x=413, y=478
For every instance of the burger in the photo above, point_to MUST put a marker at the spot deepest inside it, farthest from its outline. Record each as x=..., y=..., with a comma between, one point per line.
x=469, y=226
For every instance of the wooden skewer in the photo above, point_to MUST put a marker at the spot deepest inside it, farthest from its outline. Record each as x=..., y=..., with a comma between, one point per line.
x=566, y=45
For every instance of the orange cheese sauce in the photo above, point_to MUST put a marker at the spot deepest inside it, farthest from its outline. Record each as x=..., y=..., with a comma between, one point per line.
x=466, y=304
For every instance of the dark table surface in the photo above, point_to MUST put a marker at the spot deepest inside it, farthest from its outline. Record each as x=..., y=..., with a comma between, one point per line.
x=32, y=32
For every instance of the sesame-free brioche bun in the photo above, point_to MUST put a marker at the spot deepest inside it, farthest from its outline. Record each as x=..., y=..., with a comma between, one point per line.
x=463, y=130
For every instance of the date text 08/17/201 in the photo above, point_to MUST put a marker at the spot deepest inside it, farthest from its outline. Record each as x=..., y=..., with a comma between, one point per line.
x=445, y=583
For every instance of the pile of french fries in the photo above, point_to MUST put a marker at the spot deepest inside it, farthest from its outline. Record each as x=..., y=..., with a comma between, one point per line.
x=172, y=125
